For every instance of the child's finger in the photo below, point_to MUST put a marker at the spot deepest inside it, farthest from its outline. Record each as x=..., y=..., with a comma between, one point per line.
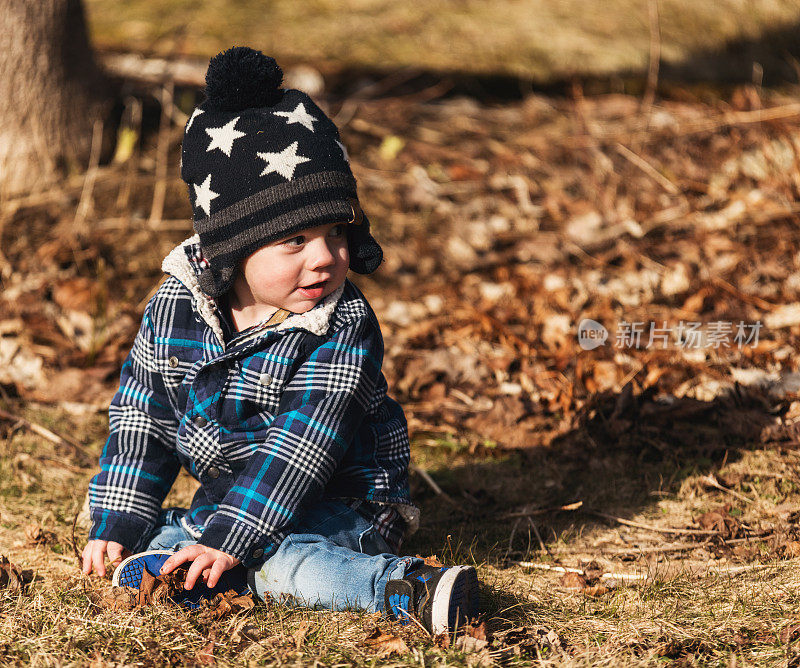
x=115, y=553
x=198, y=566
x=180, y=557
x=98, y=560
x=217, y=570
x=87, y=558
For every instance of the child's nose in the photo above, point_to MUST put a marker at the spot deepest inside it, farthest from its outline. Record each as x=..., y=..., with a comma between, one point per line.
x=321, y=255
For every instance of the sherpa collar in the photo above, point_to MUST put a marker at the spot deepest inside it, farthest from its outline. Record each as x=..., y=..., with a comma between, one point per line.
x=185, y=262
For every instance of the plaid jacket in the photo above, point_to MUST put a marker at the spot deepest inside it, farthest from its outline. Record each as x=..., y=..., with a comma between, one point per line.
x=267, y=420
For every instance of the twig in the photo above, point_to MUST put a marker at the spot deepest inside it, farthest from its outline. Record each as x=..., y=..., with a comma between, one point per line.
x=655, y=58
x=539, y=537
x=676, y=547
x=634, y=577
x=75, y=542
x=650, y=527
x=43, y=432
x=750, y=299
x=162, y=156
x=729, y=119
x=713, y=482
x=744, y=118
x=135, y=119
x=648, y=169
x=416, y=621
x=155, y=70
x=511, y=537
x=565, y=569
x=432, y=484
x=661, y=549
x=85, y=203
x=541, y=511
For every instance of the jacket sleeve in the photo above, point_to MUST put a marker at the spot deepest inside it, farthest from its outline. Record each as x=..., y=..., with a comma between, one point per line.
x=321, y=410
x=138, y=464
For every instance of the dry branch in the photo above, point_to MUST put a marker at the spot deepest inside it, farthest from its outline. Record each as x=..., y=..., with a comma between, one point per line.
x=650, y=527
x=156, y=71
x=43, y=432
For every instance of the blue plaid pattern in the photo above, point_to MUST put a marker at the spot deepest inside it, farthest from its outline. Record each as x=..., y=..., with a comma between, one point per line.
x=266, y=423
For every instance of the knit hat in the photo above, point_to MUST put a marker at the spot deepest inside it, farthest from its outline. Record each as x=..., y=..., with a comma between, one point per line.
x=262, y=163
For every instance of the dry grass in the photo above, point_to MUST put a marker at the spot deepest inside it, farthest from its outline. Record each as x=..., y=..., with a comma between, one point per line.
x=544, y=39
x=675, y=615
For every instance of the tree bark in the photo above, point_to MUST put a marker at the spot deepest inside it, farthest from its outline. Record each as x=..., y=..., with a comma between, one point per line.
x=51, y=93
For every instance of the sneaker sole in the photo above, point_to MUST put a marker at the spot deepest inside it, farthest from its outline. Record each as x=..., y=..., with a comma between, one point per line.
x=455, y=600
x=129, y=572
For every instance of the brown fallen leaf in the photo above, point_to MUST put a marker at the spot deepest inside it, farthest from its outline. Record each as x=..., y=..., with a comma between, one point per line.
x=76, y=294
x=117, y=599
x=478, y=631
x=790, y=633
x=720, y=520
x=385, y=644
x=152, y=591
x=432, y=560
x=159, y=590
x=245, y=633
x=38, y=536
x=11, y=577
x=517, y=641
x=442, y=640
x=596, y=590
x=573, y=581
x=224, y=605
x=481, y=659
x=300, y=634
x=205, y=656
x=468, y=644
x=592, y=571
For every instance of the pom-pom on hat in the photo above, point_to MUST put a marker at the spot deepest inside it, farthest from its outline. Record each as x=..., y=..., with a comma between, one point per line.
x=261, y=163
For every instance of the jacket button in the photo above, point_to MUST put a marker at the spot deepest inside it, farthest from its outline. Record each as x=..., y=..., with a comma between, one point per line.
x=265, y=379
x=200, y=421
x=257, y=554
x=173, y=361
x=213, y=472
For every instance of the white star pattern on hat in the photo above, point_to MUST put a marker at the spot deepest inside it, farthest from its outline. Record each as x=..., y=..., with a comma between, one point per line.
x=284, y=163
x=299, y=115
x=344, y=150
x=223, y=137
x=194, y=115
x=203, y=195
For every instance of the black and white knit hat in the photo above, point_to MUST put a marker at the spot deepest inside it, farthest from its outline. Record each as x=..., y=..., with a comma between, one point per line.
x=261, y=163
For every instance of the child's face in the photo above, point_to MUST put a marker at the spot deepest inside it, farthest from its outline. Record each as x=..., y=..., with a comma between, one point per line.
x=295, y=273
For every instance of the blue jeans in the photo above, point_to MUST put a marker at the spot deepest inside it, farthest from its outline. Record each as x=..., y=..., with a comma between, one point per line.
x=334, y=560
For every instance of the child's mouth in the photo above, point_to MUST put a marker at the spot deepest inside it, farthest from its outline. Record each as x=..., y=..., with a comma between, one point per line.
x=314, y=290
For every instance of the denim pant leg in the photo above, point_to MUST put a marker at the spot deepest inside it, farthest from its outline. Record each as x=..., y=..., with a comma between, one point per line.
x=335, y=560
x=168, y=534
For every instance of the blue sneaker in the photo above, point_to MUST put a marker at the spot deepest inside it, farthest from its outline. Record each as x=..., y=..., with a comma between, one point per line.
x=130, y=571
x=443, y=599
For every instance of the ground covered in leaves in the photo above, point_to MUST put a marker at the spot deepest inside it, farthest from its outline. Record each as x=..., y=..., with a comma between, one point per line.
x=626, y=503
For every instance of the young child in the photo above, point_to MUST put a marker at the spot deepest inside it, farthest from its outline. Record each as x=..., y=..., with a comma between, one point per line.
x=257, y=368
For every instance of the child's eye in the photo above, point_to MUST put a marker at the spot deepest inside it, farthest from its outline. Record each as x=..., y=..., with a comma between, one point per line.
x=295, y=241
x=337, y=230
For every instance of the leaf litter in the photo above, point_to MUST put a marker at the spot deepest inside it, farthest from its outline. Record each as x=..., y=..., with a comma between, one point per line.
x=504, y=226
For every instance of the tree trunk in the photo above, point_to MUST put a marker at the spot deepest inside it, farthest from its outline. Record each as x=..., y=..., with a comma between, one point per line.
x=51, y=93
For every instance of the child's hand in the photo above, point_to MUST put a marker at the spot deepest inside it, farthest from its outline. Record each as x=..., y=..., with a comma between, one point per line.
x=94, y=556
x=207, y=561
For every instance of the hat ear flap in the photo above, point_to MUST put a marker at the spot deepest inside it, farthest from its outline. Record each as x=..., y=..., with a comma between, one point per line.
x=215, y=282
x=365, y=253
